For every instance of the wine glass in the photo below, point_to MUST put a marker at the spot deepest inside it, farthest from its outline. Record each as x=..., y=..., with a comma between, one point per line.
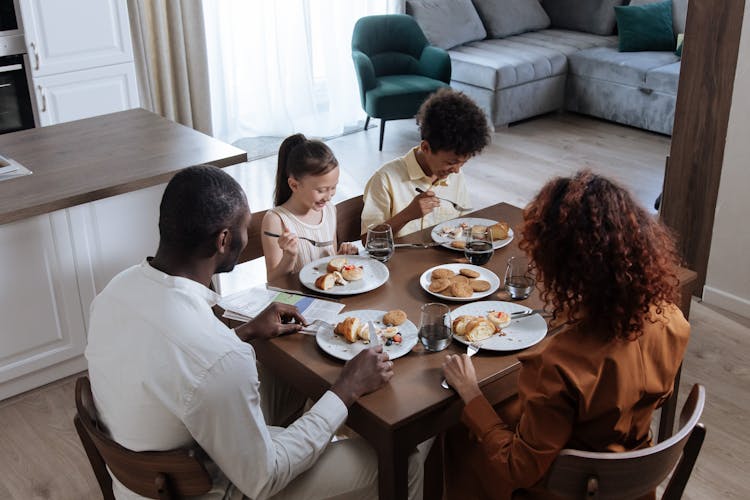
x=519, y=278
x=379, y=242
x=479, y=249
x=434, y=326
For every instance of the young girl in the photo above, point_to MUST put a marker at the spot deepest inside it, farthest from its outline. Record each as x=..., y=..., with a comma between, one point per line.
x=306, y=181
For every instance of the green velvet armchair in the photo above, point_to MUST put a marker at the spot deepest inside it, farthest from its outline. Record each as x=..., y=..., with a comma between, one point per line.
x=396, y=67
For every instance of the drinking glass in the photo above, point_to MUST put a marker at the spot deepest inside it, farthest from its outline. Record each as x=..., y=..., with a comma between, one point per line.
x=434, y=326
x=519, y=278
x=379, y=242
x=479, y=249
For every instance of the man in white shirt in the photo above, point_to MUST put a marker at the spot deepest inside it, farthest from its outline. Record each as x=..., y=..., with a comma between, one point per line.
x=453, y=129
x=166, y=373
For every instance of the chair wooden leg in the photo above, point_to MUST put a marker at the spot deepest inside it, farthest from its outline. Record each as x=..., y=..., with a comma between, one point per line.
x=96, y=461
x=367, y=122
x=382, y=131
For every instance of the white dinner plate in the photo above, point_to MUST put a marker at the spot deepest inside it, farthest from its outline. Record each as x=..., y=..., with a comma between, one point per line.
x=445, y=241
x=484, y=274
x=338, y=347
x=520, y=334
x=374, y=274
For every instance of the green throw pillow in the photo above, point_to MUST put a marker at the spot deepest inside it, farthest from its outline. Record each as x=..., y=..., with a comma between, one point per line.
x=645, y=27
x=680, y=39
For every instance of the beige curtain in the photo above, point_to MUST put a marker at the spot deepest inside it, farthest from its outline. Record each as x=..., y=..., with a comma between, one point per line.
x=170, y=55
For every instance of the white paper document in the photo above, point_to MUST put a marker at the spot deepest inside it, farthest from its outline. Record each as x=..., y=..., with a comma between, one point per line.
x=245, y=305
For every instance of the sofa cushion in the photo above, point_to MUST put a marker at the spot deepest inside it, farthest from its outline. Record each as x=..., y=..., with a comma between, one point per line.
x=629, y=68
x=519, y=59
x=503, y=18
x=679, y=12
x=591, y=16
x=664, y=78
x=645, y=27
x=447, y=23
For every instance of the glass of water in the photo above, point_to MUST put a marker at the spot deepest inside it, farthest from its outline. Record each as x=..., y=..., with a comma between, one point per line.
x=434, y=326
x=519, y=278
x=479, y=249
x=379, y=242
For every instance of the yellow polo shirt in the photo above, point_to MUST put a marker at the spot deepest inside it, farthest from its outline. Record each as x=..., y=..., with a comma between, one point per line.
x=393, y=187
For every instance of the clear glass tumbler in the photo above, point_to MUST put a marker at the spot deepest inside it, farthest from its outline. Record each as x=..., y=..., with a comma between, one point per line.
x=379, y=242
x=434, y=326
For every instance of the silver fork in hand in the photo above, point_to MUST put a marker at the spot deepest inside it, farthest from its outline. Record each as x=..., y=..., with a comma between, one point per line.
x=315, y=326
x=471, y=350
x=315, y=243
x=455, y=205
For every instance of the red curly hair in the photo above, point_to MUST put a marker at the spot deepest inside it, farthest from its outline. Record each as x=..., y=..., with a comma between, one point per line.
x=600, y=257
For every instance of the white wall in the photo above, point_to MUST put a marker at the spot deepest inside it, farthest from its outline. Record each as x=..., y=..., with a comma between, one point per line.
x=728, y=275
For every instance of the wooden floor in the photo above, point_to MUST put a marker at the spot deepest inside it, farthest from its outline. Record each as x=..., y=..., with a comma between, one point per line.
x=41, y=457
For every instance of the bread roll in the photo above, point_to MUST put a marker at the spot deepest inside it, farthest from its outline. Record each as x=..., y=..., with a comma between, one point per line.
x=459, y=324
x=479, y=329
x=351, y=272
x=325, y=281
x=500, y=319
x=336, y=264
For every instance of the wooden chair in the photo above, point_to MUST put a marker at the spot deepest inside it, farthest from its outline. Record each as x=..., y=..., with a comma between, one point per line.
x=349, y=219
x=152, y=474
x=254, y=247
x=632, y=474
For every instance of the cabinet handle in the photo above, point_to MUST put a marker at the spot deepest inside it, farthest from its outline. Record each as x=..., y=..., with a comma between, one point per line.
x=44, y=98
x=36, y=56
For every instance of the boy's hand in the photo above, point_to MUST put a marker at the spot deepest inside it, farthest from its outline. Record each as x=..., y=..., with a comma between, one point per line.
x=422, y=204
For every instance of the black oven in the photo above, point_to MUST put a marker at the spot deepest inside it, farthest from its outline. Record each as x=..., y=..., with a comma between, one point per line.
x=15, y=102
x=8, y=21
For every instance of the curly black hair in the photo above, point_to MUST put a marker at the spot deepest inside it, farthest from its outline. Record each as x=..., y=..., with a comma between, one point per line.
x=197, y=203
x=450, y=121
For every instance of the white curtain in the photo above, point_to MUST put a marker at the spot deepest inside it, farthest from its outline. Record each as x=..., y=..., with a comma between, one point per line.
x=284, y=66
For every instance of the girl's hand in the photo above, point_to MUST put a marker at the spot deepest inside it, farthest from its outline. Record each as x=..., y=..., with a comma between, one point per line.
x=347, y=248
x=288, y=243
x=459, y=373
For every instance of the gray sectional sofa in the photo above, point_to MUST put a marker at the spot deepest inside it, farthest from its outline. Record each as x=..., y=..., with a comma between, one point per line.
x=520, y=58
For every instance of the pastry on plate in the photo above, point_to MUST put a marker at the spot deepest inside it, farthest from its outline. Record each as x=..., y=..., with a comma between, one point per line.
x=353, y=329
x=442, y=273
x=394, y=318
x=389, y=332
x=500, y=319
x=479, y=329
x=339, y=278
x=325, y=281
x=351, y=272
x=460, y=244
x=459, y=324
x=469, y=273
x=479, y=285
x=499, y=231
x=336, y=264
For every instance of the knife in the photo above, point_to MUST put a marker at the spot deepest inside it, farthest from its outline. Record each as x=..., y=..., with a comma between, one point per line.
x=417, y=245
x=373, y=334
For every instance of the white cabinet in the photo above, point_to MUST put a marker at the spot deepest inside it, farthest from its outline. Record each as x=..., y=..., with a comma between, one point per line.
x=81, y=58
x=42, y=333
x=83, y=94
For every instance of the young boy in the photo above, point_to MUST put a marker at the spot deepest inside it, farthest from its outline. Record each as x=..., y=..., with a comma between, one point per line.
x=453, y=129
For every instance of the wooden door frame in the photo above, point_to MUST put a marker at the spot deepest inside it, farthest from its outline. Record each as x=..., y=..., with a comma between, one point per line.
x=704, y=99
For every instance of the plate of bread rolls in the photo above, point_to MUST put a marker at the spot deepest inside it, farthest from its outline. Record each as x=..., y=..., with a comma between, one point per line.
x=451, y=233
x=394, y=331
x=488, y=322
x=459, y=282
x=343, y=274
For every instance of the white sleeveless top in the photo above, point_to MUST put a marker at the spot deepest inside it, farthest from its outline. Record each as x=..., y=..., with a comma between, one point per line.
x=325, y=231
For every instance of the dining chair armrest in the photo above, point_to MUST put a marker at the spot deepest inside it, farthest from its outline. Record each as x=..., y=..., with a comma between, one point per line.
x=435, y=63
x=365, y=73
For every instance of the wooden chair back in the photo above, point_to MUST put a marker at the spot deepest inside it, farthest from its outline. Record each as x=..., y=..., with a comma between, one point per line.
x=349, y=219
x=254, y=247
x=152, y=474
x=581, y=474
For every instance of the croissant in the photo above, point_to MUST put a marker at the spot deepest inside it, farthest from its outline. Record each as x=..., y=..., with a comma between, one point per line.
x=479, y=329
x=336, y=264
x=325, y=281
x=459, y=324
x=349, y=329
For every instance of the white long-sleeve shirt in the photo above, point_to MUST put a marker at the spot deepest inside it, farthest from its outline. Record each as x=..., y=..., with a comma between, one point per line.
x=166, y=373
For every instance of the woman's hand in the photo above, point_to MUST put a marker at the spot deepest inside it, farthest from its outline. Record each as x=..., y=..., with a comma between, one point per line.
x=347, y=248
x=288, y=242
x=459, y=373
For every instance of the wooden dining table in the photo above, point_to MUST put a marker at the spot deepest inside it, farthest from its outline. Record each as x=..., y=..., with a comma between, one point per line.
x=413, y=406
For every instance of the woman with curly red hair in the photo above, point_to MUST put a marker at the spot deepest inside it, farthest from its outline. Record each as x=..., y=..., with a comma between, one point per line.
x=608, y=274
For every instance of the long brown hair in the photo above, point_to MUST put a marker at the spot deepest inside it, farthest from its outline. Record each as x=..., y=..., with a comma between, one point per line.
x=600, y=257
x=298, y=158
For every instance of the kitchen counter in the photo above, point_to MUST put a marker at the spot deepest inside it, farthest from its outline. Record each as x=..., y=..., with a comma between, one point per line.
x=87, y=160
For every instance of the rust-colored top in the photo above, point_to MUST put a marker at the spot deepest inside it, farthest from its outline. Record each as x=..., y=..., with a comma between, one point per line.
x=575, y=391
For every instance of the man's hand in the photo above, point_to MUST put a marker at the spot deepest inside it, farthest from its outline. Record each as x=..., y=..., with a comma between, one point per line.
x=364, y=373
x=459, y=373
x=274, y=320
x=421, y=205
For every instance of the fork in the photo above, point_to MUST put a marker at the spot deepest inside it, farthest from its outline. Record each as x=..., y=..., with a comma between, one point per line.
x=317, y=324
x=455, y=205
x=314, y=243
x=471, y=350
